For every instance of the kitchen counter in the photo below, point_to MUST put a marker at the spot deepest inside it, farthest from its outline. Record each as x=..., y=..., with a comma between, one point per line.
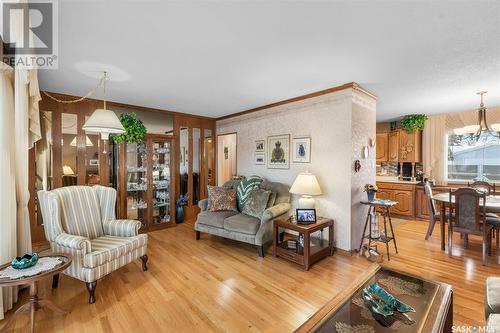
x=395, y=180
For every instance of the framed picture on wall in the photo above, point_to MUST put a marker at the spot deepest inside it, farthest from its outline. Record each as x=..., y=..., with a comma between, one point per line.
x=260, y=158
x=278, y=155
x=301, y=150
x=260, y=146
x=94, y=162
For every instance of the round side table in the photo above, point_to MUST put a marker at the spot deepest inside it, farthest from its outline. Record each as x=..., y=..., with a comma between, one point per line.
x=34, y=302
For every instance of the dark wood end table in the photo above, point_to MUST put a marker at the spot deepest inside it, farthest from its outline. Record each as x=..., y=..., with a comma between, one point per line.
x=34, y=302
x=309, y=253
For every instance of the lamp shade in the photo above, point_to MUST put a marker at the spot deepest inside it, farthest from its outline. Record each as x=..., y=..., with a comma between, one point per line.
x=105, y=122
x=67, y=170
x=88, y=142
x=306, y=184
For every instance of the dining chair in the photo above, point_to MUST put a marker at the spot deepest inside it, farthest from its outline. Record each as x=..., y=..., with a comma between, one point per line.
x=483, y=186
x=469, y=218
x=491, y=218
x=431, y=207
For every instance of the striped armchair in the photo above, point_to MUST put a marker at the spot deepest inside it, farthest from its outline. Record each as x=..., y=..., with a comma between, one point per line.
x=80, y=221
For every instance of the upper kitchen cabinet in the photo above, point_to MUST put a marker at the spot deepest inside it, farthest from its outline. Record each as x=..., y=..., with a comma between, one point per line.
x=382, y=147
x=393, y=146
x=410, y=146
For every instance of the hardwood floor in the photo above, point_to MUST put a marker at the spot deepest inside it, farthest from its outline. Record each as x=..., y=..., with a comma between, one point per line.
x=218, y=285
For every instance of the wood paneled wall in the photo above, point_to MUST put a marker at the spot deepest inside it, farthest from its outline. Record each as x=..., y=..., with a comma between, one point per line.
x=87, y=107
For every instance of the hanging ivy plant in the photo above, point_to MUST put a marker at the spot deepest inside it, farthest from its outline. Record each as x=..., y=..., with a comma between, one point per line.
x=134, y=129
x=413, y=122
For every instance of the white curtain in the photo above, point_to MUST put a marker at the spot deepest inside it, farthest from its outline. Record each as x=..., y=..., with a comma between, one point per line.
x=8, y=224
x=435, y=149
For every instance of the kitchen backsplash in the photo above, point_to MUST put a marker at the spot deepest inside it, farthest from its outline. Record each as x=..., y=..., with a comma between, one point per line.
x=391, y=169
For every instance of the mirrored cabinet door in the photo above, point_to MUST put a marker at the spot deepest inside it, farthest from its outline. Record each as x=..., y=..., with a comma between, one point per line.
x=136, y=182
x=161, y=181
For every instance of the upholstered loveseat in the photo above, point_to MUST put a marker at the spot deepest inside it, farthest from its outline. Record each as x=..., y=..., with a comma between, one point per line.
x=241, y=227
x=80, y=221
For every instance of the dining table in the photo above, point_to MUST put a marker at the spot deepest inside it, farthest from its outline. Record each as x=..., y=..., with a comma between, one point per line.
x=492, y=206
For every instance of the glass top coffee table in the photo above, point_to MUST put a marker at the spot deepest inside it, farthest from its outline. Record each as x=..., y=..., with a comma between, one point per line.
x=349, y=312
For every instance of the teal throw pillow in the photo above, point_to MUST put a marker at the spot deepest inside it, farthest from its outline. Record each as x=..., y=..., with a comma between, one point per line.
x=244, y=188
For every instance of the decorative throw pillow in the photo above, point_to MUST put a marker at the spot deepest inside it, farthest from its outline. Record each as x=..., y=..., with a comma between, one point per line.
x=272, y=199
x=220, y=198
x=256, y=202
x=244, y=188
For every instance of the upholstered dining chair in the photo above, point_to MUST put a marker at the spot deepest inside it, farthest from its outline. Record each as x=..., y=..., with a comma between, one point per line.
x=431, y=207
x=80, y=221
x=467, y=216
x=483, y=186
x=491, y=218
x=434, y=214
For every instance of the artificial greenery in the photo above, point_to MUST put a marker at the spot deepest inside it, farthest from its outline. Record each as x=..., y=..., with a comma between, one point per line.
x=134, y=129
x=413, y=122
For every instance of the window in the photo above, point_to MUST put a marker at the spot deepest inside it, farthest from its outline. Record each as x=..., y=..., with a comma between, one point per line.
x=468, y=160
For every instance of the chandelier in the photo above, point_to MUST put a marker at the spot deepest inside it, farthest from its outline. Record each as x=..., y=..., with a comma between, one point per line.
x=472, y=134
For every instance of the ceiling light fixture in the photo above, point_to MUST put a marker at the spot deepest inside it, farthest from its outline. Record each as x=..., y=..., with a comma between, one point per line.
x=104, y=121
x=472, y=133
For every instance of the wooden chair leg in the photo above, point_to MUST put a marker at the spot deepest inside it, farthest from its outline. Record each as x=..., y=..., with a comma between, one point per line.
x=91, y=288
x=197, y=235
x=260, y=248
x=490, y=240
x=432, y=222
x=450, y=240
x=466, y=240
x=55, y=281
x=485, y=250
x=144, y=259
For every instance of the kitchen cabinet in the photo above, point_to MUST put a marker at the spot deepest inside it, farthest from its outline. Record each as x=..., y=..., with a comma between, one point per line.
x=410, y=146
x=405, y=202
x=421, y=205
x=402, y=193
x=393, y=146
x=382, y=147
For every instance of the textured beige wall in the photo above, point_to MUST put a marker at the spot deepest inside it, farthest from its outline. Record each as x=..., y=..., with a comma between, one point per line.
x=363, y=129
x=327, y=119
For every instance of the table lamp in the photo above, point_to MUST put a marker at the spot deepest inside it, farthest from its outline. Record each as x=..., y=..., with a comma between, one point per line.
x=307, y=186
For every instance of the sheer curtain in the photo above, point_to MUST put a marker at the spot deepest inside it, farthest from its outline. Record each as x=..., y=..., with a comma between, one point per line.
x=8, y=224
x=435, y=149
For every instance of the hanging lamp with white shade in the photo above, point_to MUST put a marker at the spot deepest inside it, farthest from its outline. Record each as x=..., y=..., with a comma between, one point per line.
x=104, y=121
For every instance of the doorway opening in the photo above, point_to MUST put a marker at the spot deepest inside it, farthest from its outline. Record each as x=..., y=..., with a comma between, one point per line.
x=226, y=157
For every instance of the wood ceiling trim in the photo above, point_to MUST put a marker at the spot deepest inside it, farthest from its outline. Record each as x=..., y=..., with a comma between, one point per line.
x=351, y=85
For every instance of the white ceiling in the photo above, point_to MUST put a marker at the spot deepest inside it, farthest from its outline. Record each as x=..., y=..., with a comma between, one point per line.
x=215, y=58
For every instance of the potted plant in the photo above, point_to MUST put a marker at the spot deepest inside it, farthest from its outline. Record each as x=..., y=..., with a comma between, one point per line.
x=134, y=129
x=370, y=191
x=179, y=208
x=413, y=122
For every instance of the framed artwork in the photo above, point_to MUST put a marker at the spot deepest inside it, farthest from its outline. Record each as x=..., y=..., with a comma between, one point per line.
x=94, y=162
x=301, y=150
x=278, y=155
x=260, y=146
x=260, y=158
